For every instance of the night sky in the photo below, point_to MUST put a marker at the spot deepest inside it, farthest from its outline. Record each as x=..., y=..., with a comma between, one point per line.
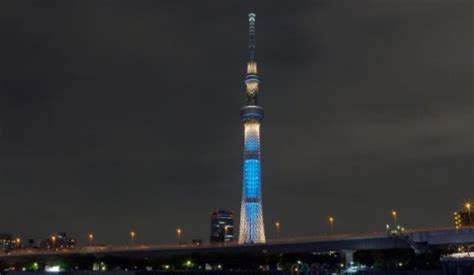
x=125, y=114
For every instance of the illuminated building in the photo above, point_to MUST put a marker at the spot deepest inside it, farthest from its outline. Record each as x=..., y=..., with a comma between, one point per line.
x=7, y=242
x=59, y=241
x=463, y=219
x=251, y=228
x=222, y=226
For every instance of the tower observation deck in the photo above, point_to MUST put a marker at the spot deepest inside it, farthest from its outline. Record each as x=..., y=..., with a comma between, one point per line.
x=251, y=228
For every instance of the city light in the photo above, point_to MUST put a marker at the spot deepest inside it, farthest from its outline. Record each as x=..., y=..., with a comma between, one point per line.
x=91, y=238
x=394, y=215
x=179, y=231
x=468, y=206
x=55, y=268
x=277, y=225
x=132, y=236
x=188, y=264
x=331, y=224
x=53, y=240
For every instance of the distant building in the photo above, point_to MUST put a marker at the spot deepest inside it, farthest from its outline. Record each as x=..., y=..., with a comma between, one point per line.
x=7, y=242
x=196, y=242
x=463, y=219
x=30, y=243
x=59, y=241
x=222, y=226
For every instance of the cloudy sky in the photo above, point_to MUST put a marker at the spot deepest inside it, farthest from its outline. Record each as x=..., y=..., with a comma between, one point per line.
x=125, y=114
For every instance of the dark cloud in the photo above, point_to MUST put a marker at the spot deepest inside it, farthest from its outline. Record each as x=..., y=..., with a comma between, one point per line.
x=116, y=115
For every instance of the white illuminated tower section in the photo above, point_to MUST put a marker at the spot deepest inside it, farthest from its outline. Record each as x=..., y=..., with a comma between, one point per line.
x=251, y=217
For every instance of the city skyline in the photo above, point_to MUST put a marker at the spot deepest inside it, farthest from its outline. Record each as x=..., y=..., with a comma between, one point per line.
x=125, y=116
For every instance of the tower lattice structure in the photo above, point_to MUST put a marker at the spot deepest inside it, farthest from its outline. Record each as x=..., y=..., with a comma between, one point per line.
x=251, y=228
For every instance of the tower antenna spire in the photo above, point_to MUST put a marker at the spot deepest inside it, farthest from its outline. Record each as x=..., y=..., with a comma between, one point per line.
x=252, y=36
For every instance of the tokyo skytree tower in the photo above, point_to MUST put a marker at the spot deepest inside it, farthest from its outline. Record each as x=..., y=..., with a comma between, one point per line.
x=251, y=217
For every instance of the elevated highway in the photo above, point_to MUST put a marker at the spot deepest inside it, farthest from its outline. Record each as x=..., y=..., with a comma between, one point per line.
x=416, y=239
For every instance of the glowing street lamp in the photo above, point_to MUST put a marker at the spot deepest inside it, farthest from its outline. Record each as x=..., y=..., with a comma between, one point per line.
x=179, y=231
x=53, y=240
x=132, y=237
x=394, y=216
x=277, y=225
x=91, y=238
x=18, y=242
x=468, y=206
x=331, y=224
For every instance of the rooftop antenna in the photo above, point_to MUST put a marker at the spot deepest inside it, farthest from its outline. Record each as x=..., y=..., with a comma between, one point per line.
x=252, y=36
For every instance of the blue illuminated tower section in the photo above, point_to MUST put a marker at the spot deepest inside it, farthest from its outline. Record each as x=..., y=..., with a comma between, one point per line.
x=251, y=228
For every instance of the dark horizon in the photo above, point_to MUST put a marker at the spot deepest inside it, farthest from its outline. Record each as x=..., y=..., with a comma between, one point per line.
x=119, y=116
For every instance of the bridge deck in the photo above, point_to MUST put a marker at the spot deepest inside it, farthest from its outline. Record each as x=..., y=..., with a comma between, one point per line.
x=372, y=241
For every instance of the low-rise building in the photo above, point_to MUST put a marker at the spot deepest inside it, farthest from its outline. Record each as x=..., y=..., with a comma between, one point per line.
x=7, y=242
x=58, y=241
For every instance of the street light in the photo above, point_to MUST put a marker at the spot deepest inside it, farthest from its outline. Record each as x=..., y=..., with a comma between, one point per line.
x=179, y=231
x=277, y=225
x=132, y=237
x=91, y=238
x=331, y=224
x=18, y=242
x=394, y=215
x=468, y=206
x=53, y=239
